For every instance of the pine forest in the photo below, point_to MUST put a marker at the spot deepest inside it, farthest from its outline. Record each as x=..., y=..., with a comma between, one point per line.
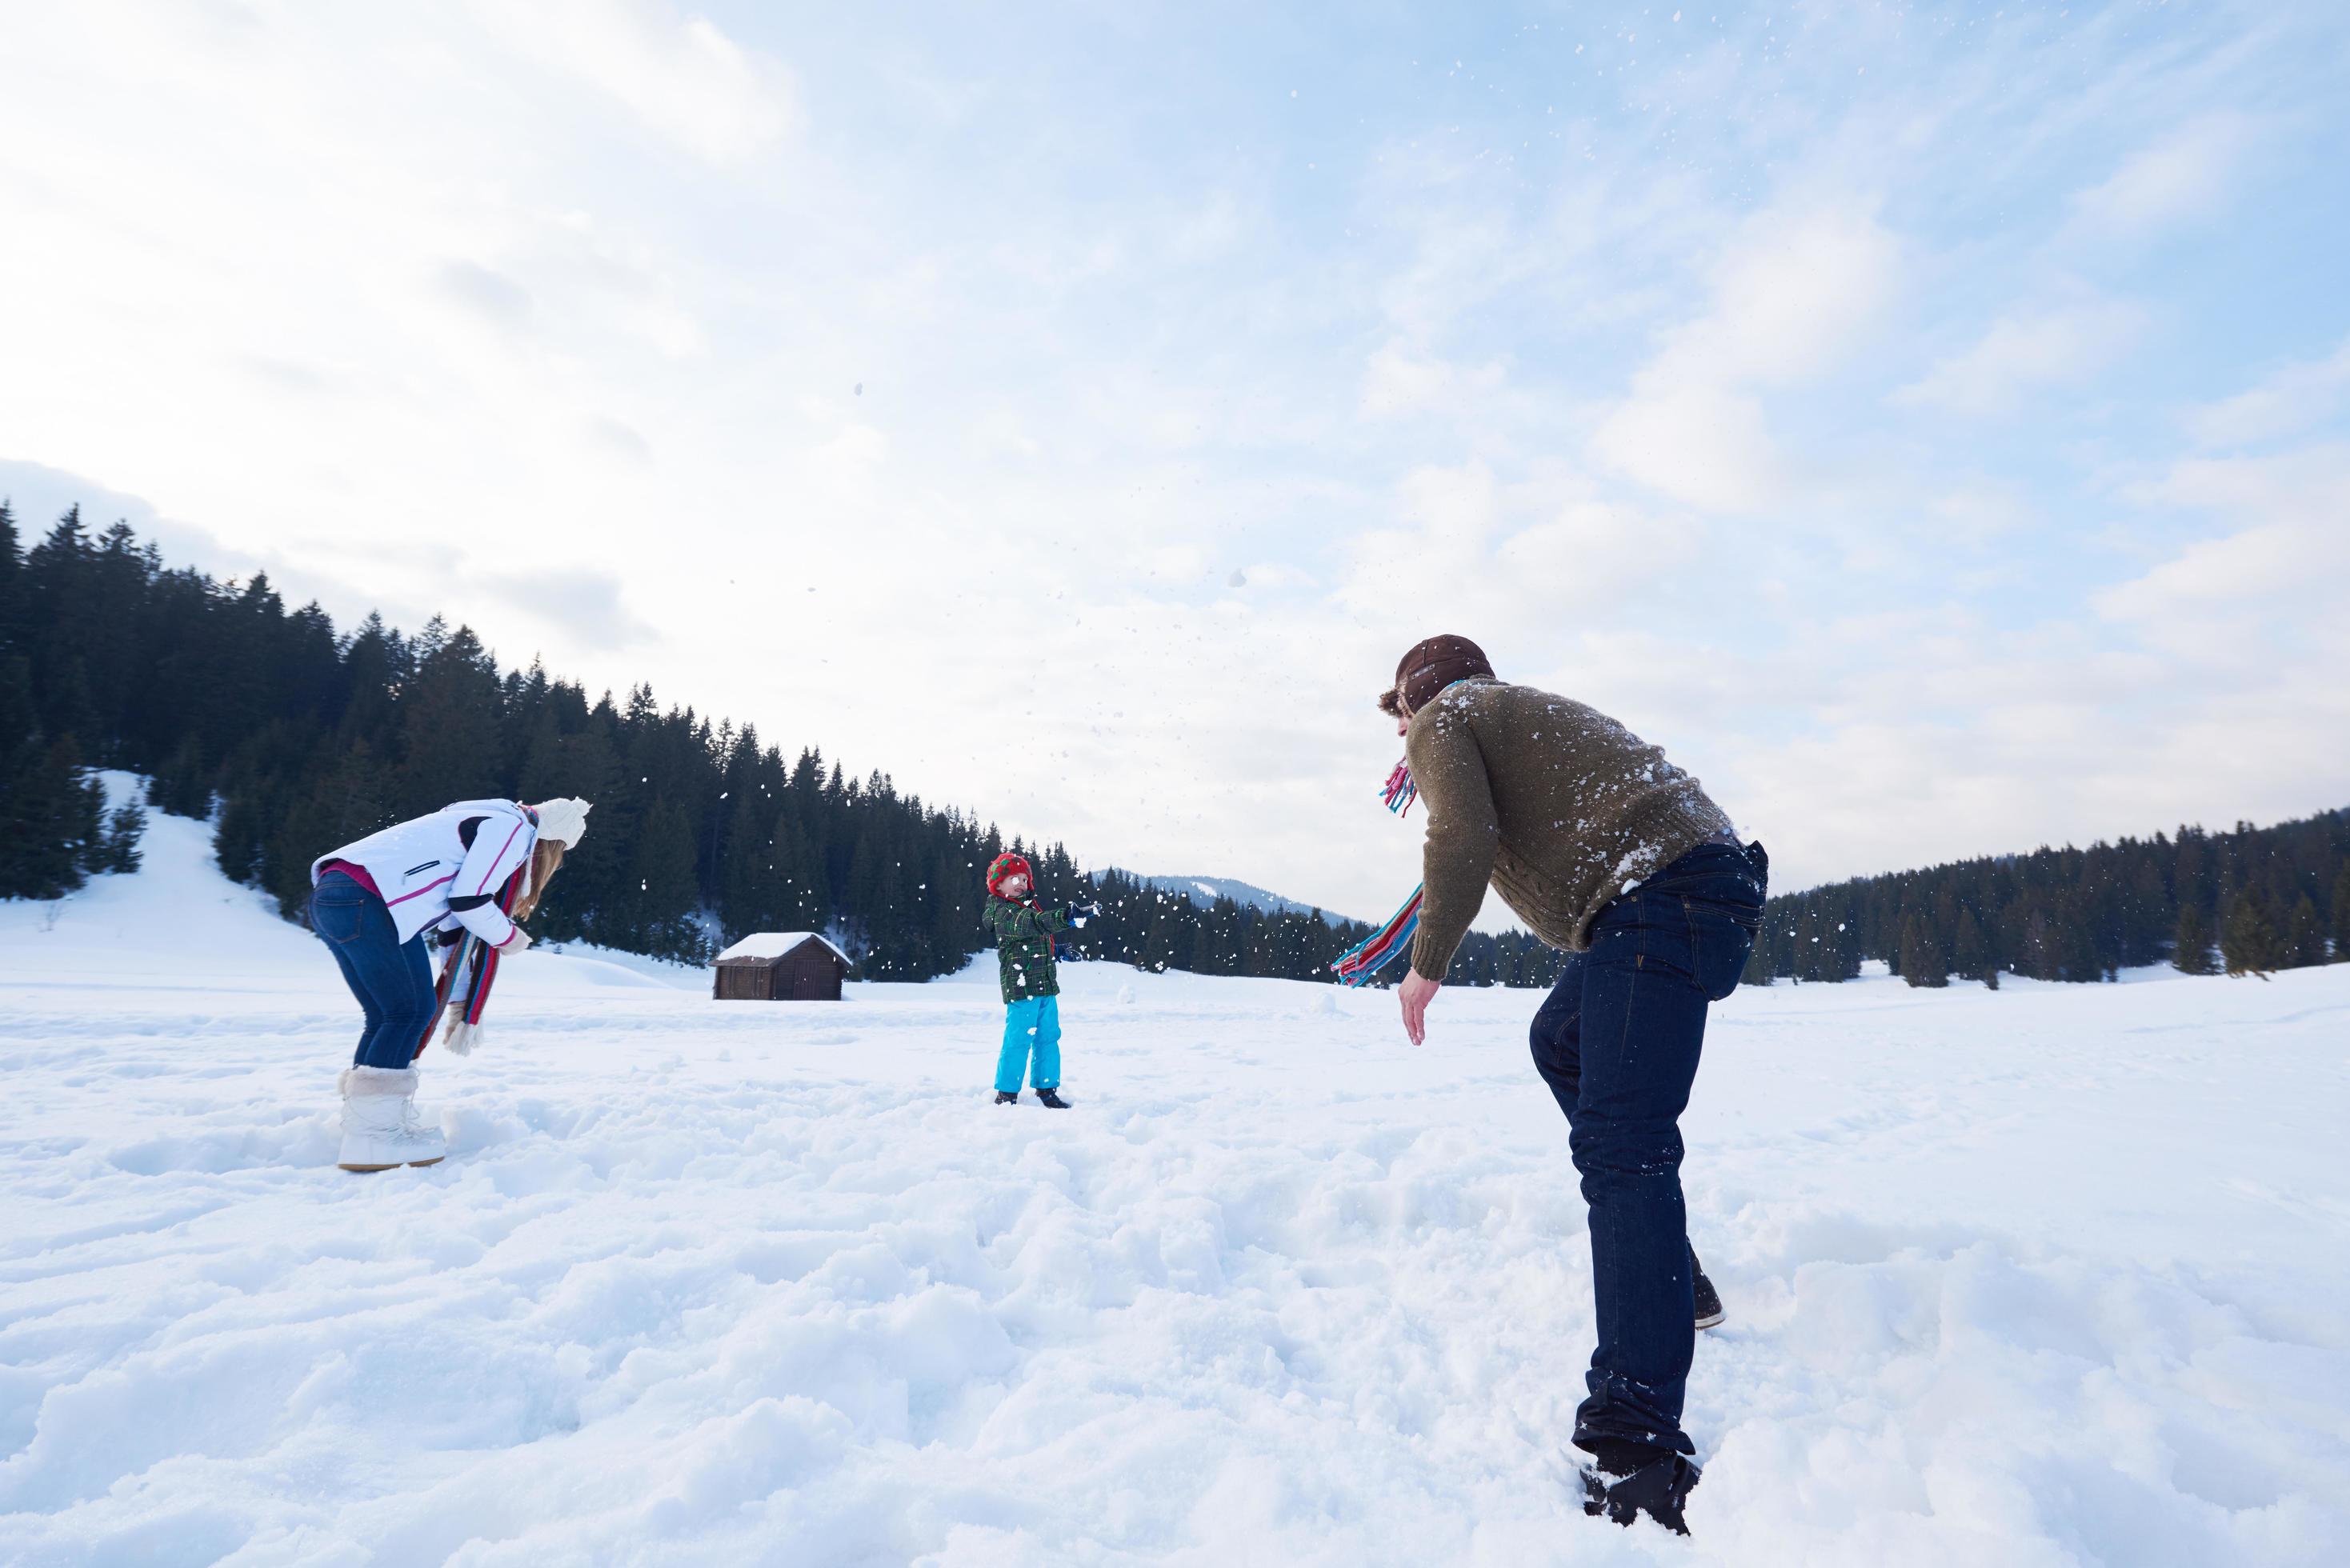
x=293, y=737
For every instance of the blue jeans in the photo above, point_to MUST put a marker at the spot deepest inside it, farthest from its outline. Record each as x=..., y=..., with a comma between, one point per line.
x=1617, y=1040
x=392, y=979
x=1033, y=1022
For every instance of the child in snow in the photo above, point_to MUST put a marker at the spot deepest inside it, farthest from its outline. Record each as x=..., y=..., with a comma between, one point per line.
x=1032, y=992
x=468, y=871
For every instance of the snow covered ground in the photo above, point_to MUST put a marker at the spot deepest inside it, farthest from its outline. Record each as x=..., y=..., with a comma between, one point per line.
x=2053, y=1275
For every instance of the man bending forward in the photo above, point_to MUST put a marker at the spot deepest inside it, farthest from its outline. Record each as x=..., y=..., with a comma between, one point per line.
x=1611, y=853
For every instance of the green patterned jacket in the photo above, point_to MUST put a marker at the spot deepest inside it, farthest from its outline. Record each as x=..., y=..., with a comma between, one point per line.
x=1023, y=946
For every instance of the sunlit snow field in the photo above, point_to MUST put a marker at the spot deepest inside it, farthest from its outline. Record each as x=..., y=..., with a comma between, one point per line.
x=2052, y=1275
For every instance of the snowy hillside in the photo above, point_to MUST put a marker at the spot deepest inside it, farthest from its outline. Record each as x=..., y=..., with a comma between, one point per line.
x=2052, y=1275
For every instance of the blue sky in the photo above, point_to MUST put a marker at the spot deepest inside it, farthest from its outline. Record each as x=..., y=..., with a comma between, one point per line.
x=1927, y=423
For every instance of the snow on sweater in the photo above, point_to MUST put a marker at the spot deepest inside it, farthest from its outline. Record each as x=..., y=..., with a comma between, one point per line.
x=1557, y=805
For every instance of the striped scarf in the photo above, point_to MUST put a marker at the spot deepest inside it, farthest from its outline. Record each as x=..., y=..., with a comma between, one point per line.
x=1376, y=951
x=469, y=972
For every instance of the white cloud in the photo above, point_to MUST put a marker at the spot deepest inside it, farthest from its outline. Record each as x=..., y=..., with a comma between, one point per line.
x=2268, y=585
x=2185, y=174
x=491, y=294
x=1464, y=244
x=1396, y=383
x=2294, y=399
x=1981, y=510
x=1792, y=294
x=1702, y=445
x=1593, y=553
x=1523, y=567
x=2062, y=345
x=680, y=76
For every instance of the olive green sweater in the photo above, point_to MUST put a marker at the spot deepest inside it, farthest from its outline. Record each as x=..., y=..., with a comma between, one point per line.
x=1554, y=803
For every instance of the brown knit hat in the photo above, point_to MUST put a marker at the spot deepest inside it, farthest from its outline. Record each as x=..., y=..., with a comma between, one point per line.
x=1432, y=664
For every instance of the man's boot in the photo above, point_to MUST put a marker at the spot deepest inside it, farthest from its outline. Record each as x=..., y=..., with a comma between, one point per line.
x=1708, y=1300
x=1629, y=1480
x=380, y=1128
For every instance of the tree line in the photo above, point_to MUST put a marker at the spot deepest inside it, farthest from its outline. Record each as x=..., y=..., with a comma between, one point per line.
x=1154, y=928
x=2249, y=902
x=292, y=737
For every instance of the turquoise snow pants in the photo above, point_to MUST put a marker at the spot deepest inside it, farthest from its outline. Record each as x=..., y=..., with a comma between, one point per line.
x=1030, y=1023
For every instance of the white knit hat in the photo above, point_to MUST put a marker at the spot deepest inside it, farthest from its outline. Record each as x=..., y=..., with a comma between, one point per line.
x=564, y=820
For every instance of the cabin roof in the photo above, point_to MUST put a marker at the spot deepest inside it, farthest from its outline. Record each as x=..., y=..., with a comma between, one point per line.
x=776, y=944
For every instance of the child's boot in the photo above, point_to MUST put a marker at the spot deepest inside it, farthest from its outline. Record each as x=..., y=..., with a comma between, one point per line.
x=1002, y=1098
x=1052, y=1098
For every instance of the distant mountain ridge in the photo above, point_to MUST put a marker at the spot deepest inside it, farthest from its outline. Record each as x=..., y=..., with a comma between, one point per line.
x=1205, y=890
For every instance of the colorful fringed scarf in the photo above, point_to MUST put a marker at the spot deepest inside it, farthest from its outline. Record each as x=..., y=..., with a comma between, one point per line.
x=1376, y=951
x=469, y=972
x=1399, y=792
x=1373, y=954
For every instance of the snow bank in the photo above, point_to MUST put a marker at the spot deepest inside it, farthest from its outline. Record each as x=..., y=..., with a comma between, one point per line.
x=2046, y=1276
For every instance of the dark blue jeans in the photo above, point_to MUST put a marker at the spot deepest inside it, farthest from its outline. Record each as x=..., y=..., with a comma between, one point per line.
x=392, y=979
x=1617, y=1040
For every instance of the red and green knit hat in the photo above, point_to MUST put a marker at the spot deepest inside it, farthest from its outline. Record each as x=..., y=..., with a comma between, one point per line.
x=1005, y=864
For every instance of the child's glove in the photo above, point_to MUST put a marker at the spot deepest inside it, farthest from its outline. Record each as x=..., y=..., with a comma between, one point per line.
x=1080, y=913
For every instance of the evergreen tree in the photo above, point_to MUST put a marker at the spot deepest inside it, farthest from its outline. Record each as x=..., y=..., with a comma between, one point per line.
x=449, y=727
x=375, y=665
x=118, y=851
x=51, y=821
x=2190, y=947
x=343, y=799
x=81, y=810
x=59, y=583
x=19, y=726
x=656, y=916
x=1970, y=954
x=182, y=787
x=2191, y=881
x=2305, y=934
x=2342, y=915
x=2248, y=938
x=1921, y=958
x=238, y=841
x=11, y=566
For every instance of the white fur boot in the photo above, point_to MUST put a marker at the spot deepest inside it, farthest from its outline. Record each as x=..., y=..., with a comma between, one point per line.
x=380, y=1126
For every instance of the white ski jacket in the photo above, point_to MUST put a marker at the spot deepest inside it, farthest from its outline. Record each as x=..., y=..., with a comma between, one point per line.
x=452, y=863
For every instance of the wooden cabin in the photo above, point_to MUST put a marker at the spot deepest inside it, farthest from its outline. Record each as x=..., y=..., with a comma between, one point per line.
x=779, y=966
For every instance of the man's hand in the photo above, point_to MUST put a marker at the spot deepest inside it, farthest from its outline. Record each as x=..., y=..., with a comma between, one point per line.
x=1417, y=991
